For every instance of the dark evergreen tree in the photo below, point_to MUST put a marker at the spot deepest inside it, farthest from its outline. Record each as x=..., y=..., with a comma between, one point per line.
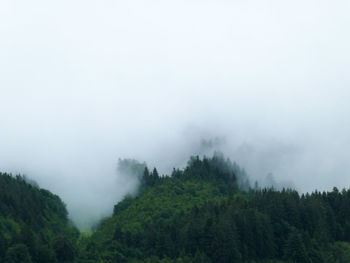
x=64, y=249
x=295, y=250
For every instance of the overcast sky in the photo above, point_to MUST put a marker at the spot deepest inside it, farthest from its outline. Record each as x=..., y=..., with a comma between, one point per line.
x=83, y=83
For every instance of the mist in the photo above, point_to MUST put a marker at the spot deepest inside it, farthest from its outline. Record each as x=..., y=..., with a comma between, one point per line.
x=85, y=83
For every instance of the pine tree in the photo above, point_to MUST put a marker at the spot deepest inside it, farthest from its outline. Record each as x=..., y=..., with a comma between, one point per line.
x=295, y=250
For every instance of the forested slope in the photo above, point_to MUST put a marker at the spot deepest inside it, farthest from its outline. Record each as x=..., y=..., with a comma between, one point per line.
x=205, y=212
x=199, y=214
x=34, y=224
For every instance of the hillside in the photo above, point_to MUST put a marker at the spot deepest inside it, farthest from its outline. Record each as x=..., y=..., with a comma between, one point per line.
x=34, y=224
x=206, y=212
x=199, y=214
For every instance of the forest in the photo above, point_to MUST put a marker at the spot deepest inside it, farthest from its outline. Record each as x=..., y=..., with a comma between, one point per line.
x=206, y=212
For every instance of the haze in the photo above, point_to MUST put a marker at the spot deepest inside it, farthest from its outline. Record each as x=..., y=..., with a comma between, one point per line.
x=83, y=83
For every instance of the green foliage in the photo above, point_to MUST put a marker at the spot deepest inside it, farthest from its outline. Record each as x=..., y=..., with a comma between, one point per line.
x=45, y=254
x=18, y=254
x=64, y=249
x=36, y=207
x=200, y=214
x=30, y=221
x=295, y=250
x=206, y=212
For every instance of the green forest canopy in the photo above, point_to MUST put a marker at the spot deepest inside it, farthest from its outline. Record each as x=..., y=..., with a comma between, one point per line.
x=206, y=212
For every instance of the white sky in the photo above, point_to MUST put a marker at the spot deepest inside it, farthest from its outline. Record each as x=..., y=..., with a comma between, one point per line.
x=83, y=83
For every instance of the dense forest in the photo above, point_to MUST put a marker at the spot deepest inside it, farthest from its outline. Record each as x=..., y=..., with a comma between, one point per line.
x=34, y=225
x=206, y=212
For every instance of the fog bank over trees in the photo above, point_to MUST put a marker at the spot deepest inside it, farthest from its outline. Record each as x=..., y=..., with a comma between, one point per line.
x=83, y=84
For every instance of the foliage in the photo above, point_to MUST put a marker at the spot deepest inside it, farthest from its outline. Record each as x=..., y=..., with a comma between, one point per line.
x=206, y=212
x=30, y=220
x=18, y=254
x=202, y=214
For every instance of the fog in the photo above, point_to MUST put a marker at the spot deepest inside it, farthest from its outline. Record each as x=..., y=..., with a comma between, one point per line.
x=83, y=83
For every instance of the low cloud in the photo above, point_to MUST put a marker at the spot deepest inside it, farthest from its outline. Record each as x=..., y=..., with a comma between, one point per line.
x=83, y=84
